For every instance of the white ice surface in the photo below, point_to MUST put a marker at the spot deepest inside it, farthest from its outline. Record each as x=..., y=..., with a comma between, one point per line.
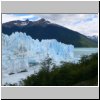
x=18, y=50
x=16, y=78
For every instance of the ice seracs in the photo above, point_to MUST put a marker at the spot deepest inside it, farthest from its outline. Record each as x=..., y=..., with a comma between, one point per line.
x=19, y=49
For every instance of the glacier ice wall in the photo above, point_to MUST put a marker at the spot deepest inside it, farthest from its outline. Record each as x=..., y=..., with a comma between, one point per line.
x=18, y=50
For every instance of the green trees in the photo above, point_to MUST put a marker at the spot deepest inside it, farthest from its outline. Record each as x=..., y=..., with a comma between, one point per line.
x=43, y=76
x=68, y=74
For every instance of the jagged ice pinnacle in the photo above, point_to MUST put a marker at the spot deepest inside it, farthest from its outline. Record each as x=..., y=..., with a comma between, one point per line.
x=19, y=49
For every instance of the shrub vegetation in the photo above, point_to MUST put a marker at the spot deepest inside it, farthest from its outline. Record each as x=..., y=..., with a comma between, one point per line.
x=83, y=73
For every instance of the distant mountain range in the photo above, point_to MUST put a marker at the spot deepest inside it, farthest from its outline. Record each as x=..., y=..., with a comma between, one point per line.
x=94, y=37
x=43, y=29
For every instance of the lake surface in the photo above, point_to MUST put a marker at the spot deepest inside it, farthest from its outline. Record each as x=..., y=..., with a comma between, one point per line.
x=79, y=52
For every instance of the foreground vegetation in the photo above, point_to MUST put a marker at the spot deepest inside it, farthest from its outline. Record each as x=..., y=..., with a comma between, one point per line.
x=84, y=73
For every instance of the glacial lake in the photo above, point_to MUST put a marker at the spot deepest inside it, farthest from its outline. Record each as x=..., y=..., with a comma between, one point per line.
x=79, y=52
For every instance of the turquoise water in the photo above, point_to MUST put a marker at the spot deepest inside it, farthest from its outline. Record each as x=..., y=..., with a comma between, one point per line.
x=79, y=52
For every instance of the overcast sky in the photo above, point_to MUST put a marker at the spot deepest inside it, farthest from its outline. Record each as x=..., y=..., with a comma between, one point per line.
x=86, y=24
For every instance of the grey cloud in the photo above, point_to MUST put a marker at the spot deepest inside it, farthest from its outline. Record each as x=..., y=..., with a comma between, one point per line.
x=84, y=23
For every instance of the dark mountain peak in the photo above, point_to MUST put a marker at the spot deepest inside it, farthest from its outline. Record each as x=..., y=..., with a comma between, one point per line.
x=43, y=21
x=21, y=23
x=27, y=20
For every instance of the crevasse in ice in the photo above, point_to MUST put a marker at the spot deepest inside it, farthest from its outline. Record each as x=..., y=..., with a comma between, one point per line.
x=19, y=49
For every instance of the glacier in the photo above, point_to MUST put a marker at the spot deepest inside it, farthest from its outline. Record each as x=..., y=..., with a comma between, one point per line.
x=19, y=50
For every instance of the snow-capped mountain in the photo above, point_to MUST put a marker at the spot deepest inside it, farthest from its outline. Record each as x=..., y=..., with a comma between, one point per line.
x=19, y=50
x=94, y=37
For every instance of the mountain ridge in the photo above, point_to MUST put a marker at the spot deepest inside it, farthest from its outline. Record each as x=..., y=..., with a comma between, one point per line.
x=43, y=29
x=94, y=37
